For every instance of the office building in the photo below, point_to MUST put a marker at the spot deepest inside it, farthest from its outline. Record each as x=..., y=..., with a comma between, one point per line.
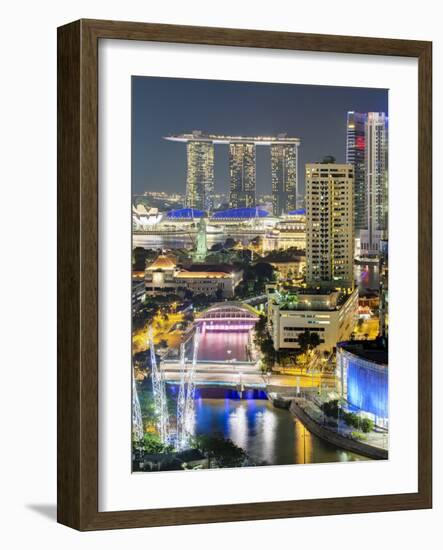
x=292, y=311
x=355, y=155
x=329, y=224
x=376, y=174
x=383, y=289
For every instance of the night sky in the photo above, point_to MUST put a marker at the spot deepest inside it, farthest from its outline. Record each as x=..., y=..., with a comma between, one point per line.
x=163, y=106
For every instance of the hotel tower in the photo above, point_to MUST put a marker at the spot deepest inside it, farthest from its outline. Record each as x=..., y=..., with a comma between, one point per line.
x=242, y=175
x=284, y=164
x=242, y=170
x=200, y=174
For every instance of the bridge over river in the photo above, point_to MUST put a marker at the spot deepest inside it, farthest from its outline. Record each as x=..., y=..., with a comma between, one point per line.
x=226, y=351
x=227, y=355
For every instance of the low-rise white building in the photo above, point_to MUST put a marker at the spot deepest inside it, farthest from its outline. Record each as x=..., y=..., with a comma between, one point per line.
x=163, y=276
x=329, y=313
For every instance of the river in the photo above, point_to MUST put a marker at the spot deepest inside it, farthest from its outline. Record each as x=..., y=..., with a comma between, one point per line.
x=267, y=434
x=223, y=346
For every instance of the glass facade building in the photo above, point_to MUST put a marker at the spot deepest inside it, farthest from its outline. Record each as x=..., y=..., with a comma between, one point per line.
x=284, y=178
x=376, y=175
x=242, y=169
x=362, y=368
x=242, y=175
x=200, y=175
x=355, y=155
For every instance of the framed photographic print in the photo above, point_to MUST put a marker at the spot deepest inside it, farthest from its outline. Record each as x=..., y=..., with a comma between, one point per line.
x=244, y=275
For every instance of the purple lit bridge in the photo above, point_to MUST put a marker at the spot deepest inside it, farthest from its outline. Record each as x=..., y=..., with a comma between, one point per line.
x=226, y=352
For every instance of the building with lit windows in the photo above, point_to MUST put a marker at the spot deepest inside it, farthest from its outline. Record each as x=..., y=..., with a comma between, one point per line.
x=291, y=312
x=138, y=294
x=284, y=163
x=200, y=174
x=291, y=229
x=329, y=224
x=242, y=149
x=383, y=288
x=355, y=155
x=242, y=175
x=376, y=174
x=164, y=276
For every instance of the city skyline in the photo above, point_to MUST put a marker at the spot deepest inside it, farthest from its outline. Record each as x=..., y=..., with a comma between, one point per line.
x=259, y=322
x=162, y=107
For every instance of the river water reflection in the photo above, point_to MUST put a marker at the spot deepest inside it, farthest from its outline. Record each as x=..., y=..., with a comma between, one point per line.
x=267, y=434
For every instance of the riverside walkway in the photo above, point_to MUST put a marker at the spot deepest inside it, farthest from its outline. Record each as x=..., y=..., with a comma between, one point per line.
x=375, y=444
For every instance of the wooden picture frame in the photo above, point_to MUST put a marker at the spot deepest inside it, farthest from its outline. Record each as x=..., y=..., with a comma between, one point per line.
x=78, y=274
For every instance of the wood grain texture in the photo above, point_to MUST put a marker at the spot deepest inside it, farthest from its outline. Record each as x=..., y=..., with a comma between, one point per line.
x=68, y=276
x=78, y=274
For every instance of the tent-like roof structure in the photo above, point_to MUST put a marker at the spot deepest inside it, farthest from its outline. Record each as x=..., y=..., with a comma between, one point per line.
x=240, y=213
x=298, y=212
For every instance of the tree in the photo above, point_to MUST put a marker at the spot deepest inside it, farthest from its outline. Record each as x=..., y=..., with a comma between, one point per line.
x=330, y=408
x=268, y=351
x=264, y=271
x=188, y=294
x=152, y=444
x=224, y=451
x=308, y=340
x=261, y=330
x=366, y=425
x=229, y=243
x=219, y=293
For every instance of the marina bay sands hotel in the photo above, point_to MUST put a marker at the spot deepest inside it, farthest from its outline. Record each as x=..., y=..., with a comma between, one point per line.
x=200, y=170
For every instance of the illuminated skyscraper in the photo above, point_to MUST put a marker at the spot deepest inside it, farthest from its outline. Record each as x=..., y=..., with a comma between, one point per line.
x=200, y=176
x=384, y=287
x=284, y=177
x=329, y=224
x=376, y=175
x=242, y=174
x=355, y=155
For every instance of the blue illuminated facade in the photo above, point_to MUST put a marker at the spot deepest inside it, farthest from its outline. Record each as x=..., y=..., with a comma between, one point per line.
x=363, y=374
x=185, y=213
x=298, y=212
x=240, y=213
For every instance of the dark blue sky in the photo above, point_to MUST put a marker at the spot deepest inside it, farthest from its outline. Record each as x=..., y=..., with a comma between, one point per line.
x=163, y=106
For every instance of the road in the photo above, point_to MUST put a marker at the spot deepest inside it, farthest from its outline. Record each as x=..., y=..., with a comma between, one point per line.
x=253, y=378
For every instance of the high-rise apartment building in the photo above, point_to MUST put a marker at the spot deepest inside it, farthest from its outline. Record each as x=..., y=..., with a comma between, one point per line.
x=329, y=224
x=284, y=177
x=242, y=174
x=376, y=175
x=355, y=155
x=200, y=175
